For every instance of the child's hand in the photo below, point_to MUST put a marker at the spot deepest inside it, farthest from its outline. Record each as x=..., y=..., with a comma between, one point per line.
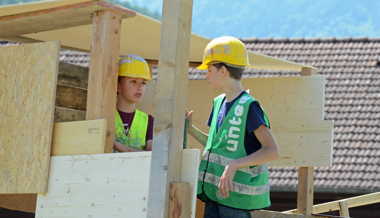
x=189, y=116
x=226, y=183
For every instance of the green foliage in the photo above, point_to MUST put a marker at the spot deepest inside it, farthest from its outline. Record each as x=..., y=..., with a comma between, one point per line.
x=142, y=10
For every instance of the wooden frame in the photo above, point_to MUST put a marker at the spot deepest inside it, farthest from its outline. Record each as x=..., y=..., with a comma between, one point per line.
x=173, y=64
x=344, y=204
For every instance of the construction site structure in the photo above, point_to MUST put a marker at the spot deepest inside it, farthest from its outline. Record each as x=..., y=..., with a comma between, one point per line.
x=57, y=119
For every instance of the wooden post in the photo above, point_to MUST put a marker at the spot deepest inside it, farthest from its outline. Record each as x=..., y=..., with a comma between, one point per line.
x=306, y=174
x=101, y=97
x=172, y=78
x=343, y=211
x=308, y=71
x=179, y=200
x=151, y=70
x=305, y=190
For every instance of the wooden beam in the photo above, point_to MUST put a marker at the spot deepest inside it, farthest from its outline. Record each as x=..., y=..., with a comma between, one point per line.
x=191, y=64
x=73, y=75
x=305, y=190
x=343, y=211
x=172, y=81
x=309, y=71
x=274, y=214
x=57, y=18
x=351, y=202
x=79, y=137
x=151, y=70
x=71, y=97
x=66, y=115
x=179, y=200
x=102, y=82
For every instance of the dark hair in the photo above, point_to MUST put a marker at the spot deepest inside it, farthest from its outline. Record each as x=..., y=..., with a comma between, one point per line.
x=235, y=73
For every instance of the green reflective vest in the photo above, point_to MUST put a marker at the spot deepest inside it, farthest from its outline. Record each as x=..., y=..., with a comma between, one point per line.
x=251, y=184
x=137, y=132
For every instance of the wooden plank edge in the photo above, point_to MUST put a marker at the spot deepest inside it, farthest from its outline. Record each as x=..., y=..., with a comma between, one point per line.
x=351, y=202
x=275, y=214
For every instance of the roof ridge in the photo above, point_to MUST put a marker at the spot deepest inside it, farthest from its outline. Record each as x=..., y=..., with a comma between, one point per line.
x=310, y=39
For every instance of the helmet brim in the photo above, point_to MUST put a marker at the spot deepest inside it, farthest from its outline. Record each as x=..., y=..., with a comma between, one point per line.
x=202, y=67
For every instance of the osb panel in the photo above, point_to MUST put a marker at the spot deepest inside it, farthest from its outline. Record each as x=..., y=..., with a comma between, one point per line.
x=28, y=78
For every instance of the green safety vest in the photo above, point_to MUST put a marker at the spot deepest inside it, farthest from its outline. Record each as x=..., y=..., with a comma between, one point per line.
x=251, y=184
x=137, y=132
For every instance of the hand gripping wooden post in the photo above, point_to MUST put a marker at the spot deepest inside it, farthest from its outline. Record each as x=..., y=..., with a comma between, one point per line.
x=306, y=175
x=172, y=82
x=101, y=96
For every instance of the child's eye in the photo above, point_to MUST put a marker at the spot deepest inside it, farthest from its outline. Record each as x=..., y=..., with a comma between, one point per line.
x=144, y=83
x=133, y=81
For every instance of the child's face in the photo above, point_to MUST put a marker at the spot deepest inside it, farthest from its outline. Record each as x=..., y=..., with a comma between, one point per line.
x=213, y=76
x=131, y=89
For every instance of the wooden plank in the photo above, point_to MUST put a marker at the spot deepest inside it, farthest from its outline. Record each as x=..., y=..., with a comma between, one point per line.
x=302, y=140
x=79, y=137
x=191, y=64
x=106, y=185
x=57, y=18
x=274, y=214
x=102, y=83
x=303, y=144
x=21, y=202
x=172, y=80
x=66, y=115
x=71, y=97
x=309, y=71
x=179, y=200
x=343, y=211
x=305, y=190
x=28, y=77
x=351, y=202
x=73, y=75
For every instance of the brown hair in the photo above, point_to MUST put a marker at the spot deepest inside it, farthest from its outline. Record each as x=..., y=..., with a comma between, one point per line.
x=235, y=73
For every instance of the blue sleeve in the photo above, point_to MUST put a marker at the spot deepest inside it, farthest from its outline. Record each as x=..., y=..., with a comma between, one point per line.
x=255, y=118
x=210, y=117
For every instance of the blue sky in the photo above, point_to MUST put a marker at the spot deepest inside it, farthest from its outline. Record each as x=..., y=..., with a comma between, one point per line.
x=281, y=18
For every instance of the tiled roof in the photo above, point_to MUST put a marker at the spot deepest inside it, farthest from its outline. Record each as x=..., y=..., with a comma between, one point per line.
x=352, y=70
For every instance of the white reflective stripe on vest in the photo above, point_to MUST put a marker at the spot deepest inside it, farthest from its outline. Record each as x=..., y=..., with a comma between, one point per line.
x=218, y=159
x=238, y=187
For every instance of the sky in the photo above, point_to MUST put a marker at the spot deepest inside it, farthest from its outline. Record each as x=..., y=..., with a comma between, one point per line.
x=281, y=18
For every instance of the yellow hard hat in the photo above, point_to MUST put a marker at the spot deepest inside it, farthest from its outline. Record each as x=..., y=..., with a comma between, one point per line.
x=134, y=66
x=226, y=49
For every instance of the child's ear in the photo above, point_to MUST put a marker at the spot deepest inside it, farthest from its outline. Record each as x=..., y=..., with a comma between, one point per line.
x=118, y=87
x=224, y=71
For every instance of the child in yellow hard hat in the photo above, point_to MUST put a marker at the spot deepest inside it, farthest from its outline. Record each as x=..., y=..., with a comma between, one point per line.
x=133, y=128
x=233, y=174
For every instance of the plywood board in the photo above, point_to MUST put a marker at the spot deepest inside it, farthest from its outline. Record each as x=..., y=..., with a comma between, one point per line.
x=79, y=137
x=106, y=185
x=28, y=78
x=294, y=105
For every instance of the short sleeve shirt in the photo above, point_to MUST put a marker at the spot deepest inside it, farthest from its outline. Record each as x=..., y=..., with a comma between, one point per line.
x=255, y=119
